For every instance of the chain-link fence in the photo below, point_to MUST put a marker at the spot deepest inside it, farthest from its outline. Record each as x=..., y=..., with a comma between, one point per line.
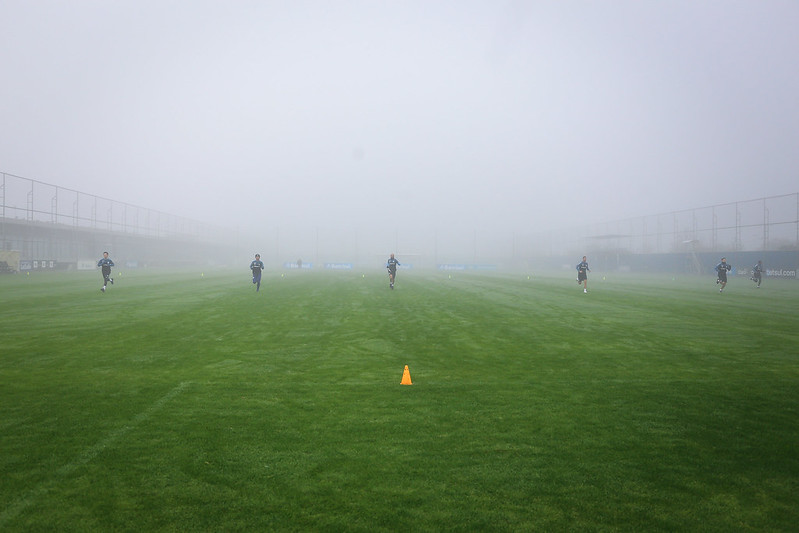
x=24, y=199
x=64, y=226
x=764, y=224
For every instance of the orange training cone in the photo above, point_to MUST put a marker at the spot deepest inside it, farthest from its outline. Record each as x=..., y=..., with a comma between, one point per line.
x=406, y=377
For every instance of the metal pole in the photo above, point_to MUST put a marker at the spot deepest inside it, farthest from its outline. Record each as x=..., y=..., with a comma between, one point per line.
x=54, y=207
x=4, y=213
x=714, y=233
x=30, y=203
x=765, y=226
x=737, y=227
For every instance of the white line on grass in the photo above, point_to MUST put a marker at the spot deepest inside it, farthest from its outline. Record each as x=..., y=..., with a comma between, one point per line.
x=86, y=456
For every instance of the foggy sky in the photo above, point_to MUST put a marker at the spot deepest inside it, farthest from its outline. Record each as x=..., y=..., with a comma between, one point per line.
x=517, y=116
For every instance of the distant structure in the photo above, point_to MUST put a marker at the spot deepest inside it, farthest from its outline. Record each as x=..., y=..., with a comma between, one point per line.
x=687, y=241
x=56, y=227
x=752, y=225
x=53, y=227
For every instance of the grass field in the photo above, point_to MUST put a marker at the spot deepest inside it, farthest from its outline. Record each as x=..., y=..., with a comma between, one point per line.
x=181, y=402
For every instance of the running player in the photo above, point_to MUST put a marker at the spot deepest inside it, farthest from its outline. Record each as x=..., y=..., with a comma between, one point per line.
x=391, y=266
x=757, y=273
x=722, y=269
x=582, y=273
x=105, y=263
x=257, y=266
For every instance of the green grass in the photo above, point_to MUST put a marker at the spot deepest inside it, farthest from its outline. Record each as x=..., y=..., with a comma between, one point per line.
x=181, y=402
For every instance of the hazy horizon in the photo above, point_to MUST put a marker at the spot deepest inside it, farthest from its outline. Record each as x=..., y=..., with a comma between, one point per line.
x=389, y=119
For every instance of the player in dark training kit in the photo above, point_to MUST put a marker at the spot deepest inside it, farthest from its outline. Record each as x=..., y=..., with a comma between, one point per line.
x=722, y=269
x=757, y=273
x=582, y=273
x=105, y=263
x=257, y=266
x=391, y=266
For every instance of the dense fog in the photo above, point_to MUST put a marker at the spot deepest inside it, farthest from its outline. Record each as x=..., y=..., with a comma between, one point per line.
x=347, y=130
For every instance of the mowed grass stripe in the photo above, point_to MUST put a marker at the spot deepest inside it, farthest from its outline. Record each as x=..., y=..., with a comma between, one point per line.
x=649, y=403
x=89, y=454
